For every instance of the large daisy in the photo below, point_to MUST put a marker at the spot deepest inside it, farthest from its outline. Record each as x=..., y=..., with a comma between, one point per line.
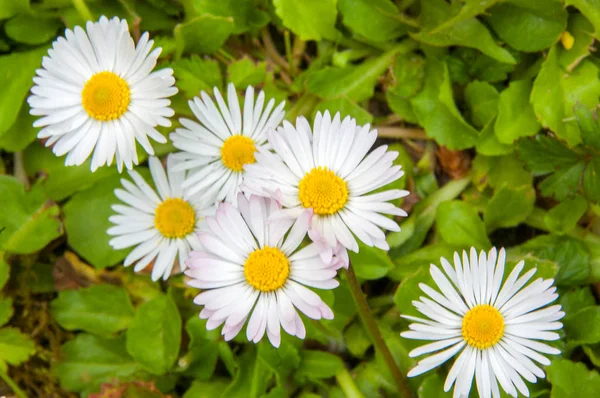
x=251, y=270
x=494, y=327
x=96, y=92
x=327, y=169
x=217, y=148
x=161, y=226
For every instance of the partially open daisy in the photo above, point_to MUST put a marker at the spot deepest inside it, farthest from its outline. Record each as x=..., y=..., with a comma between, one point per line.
x=97, y=92
x=496, y=327
x=328, y=170
x=217, y=148
x=251, y=270
x=161, y=226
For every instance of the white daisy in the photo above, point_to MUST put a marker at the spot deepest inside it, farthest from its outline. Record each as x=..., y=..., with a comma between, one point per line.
x=96, y=89
x=495, y=326
x=161, y=226
x=217, y=148
x=328, y=170
x=250, y=270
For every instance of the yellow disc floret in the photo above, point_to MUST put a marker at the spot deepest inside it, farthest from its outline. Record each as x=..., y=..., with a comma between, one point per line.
x=323, y=191
x=175, y=218
x=483, y=326
x=105, y=96
x=267, y=269
x=237, y=151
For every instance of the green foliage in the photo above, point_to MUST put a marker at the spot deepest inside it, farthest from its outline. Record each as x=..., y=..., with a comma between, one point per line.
x=494, y=113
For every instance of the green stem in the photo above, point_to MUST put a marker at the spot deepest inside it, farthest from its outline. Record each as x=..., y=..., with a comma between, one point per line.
x=83, y=10
x=347, y=385
x=369, y=321
x=18, y=392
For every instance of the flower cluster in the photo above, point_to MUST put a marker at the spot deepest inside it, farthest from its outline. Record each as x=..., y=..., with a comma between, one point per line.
x=258, y=211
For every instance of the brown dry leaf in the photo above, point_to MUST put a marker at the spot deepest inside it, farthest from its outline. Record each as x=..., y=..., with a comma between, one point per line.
x=454, y=163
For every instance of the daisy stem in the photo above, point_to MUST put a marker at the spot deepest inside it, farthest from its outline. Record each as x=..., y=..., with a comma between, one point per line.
x=370, y=324
x=83, y=10
x=347, y=384
x=13, y=386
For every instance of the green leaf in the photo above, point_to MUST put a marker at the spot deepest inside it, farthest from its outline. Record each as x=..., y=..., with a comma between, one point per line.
x=346, y=108
x=576, y=300
x=509, y=207
x=251, y=379
x=29, y=221
x=101, y=309
x=4, y=270
x=570, y=254
x=468, y=33
x=470, y=9
x=563, y=217
x=246, y=15
x=21, y=133
x=8, y=8
x=245, y=73
x=482, y=100
x=309, y=19
x=15, y=347
x=6, y=310
x=555, y=93
x=436, y=111
x=206, y=389
x=590, y=9
x=401, y=107
x=61, y=181
x=196, y=74
x=282, y=360
x=544, y=154
x=572, y=379
x=588, y=124
x=16, y=74
x=31, y=29
x=408, y=74
x=433, y=387
x=583, y=327
x=409, y=289
x=377, y=20
x=516, y=118
x=583, y=33
x=204, y=34
x=528, y=25
x=154, y=336
x=563, y=183
x=591, y=180
x=370, y=262
x=203, y=349
x=88, y=361
x=488, y=143
x=353, y=82
x=459, y=224
x=319, y=364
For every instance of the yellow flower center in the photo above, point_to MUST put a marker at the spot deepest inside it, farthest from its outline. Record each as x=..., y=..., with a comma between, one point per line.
x=267, y=269
x=482, y=326
x=105, y=96
x=322, y=190
x=175, y=218
x=237, y=151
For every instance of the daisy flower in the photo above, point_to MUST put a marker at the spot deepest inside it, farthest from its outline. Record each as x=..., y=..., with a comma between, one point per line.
x=217, y=148
x=328, y=170
x=252, y=271
x=96, y=92
x=161, y=226
x=495, y=328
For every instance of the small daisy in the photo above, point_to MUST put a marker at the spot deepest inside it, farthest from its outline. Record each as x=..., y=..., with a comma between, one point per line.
x=250, y=270
x=495, y=326
x=161, y=227
x=217, y=148
x=97, y=92
x=330, y=172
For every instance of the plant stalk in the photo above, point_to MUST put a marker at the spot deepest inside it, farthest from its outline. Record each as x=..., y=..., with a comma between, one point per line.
x=347, y=384
x=14, y=387
x=83, y=10
x=369, y=321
